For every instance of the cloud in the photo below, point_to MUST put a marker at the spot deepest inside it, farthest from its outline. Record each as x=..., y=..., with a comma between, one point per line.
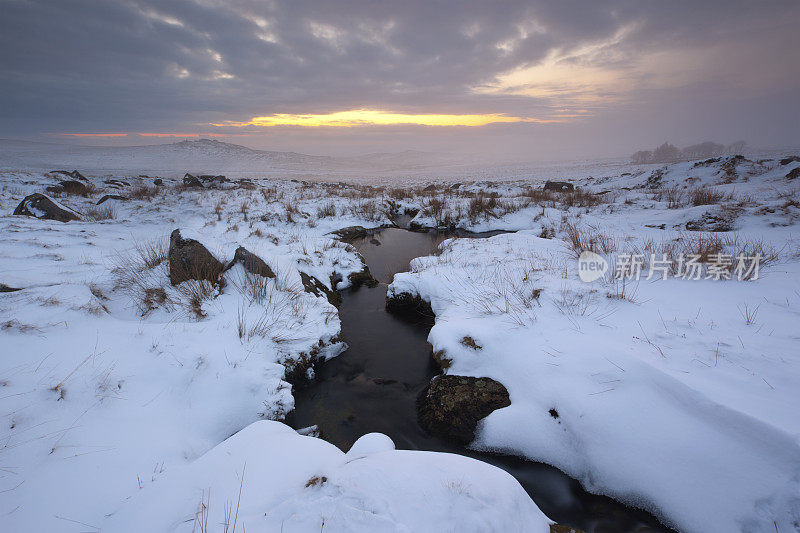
x=372, y=117
x=183, y=65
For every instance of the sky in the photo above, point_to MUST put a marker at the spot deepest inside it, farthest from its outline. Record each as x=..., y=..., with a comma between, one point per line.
x=507, y=80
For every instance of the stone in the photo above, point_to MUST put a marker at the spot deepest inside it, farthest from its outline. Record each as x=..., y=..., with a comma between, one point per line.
x=191, y=181
x=351, y=233
x=188, y=259
x=251, y=263
x=74, y=187
x=110, y=197
x=559, y=186
x=41, y=206
x=451, y=406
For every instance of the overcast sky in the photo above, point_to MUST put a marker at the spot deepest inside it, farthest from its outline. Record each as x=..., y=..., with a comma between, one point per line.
x=517, y=80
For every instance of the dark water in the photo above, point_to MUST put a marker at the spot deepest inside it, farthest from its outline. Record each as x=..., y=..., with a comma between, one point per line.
x=374, y=384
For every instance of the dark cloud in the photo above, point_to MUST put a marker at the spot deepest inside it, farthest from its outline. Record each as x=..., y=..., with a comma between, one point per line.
x=178, y=65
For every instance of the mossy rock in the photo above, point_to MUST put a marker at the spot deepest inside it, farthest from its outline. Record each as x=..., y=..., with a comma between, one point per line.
x=451, y=406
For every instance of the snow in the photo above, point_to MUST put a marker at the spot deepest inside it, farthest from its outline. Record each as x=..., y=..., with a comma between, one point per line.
x=294, y=483
x=120, y=411
x=667, y=398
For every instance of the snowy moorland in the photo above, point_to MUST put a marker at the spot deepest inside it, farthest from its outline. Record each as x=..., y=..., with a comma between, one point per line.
x=130, y=403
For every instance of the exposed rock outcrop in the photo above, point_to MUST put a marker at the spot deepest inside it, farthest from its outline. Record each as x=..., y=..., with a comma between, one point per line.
x=41, y=206
x=251, y=263
x=111, y=197
x=451, y=406
x=6, y=288
x=74, y=187
x=408, y=304
x=191, y=181
x=364, y=277
x=559, y=186
x=188, y=259
x=351, y=233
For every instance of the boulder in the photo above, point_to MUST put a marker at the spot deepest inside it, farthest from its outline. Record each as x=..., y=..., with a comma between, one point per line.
x=560, y=186
x=251, y=263
x=6, y=288
x=111, y=197
x=451, y=406
x=212, y=178
x=188, y=259
x=363, y=277
x=74, y=187
x=792, y=174
x=158, y=181
x=790, y=159
x=116, y=183
x=191, y=181
x=405, y=304
x=41, y=206
x=351, y=233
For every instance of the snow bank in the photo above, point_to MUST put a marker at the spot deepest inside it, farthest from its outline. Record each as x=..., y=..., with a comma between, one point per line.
x=289, y=482
x=670, y=402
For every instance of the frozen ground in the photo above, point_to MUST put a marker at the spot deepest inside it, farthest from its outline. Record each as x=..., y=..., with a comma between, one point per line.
x=119, y=393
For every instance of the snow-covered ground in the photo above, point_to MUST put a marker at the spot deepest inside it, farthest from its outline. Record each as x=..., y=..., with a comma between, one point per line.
x=678, y=395
x=124, y=398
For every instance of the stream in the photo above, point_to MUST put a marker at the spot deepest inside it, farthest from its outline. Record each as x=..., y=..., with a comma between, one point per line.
x=373, y=386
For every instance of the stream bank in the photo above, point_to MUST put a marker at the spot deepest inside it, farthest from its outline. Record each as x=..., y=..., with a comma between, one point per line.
x=373, y=387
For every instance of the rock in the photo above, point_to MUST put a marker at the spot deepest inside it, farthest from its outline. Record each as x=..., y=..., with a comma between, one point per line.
x=794, y=173
x=317, y=288
x=74, y=187
x=715, y=220
x=251, y=262
x=6, y=288
x=375, y=242
x=364, y=277
x=212, y=179
x=188, y=259
x=111, y=197
x=451, y=406
x=407, y=304
x=790, y=159
x=41, y=206
x=191, y=181
x=351, y=233
x=117, y=183
x=560, y=186
x=158, y=181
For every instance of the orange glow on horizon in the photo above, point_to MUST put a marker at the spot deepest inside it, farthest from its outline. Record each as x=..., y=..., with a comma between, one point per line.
x=370, y=117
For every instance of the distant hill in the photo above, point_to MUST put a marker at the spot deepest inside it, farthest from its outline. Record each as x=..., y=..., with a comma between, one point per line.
x=201, y=156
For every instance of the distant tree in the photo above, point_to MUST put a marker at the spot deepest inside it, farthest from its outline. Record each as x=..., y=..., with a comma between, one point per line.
x=703, y=150
x=737, y=148
x=666, y=153
x=642, y=156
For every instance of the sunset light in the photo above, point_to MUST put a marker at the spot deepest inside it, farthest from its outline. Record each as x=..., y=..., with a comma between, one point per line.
x=370, y=117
